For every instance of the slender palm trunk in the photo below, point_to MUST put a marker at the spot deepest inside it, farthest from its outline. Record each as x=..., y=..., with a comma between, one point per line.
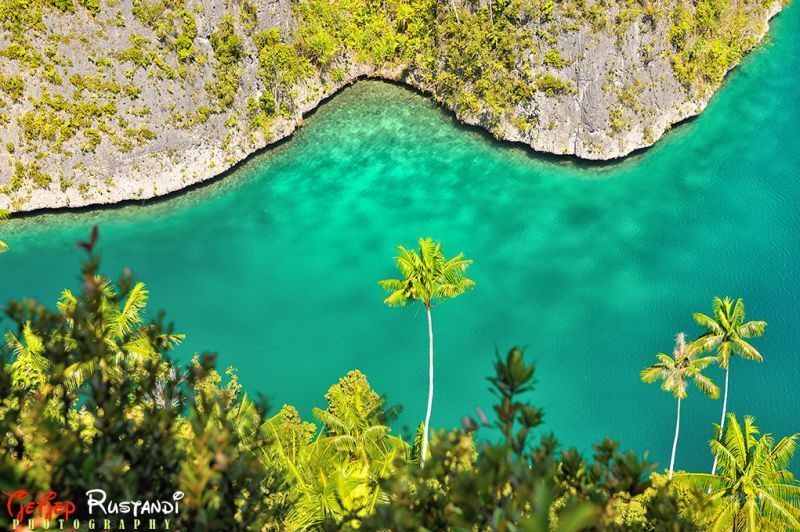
x=430, y=389
x=724, y=411
x=675, y=441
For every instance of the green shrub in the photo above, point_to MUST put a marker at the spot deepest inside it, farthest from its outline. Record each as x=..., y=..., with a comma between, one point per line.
x=13, y=86
x=226, y=43
x=552, y=85
x=554, y=59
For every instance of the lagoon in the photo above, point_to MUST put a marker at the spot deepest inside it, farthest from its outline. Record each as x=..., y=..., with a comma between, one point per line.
x=594, y=268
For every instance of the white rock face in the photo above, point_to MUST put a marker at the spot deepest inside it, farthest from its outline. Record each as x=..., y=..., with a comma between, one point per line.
x=625, y=97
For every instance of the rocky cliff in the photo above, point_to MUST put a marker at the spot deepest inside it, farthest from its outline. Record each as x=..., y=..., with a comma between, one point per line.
x=108, y=100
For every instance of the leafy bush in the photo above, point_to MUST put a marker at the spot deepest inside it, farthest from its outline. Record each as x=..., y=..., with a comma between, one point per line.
x=13, y=86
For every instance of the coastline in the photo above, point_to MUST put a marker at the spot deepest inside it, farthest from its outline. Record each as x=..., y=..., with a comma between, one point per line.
x=208, y=162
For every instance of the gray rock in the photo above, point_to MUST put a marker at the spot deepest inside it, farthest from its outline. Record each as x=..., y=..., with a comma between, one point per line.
x=594, y=122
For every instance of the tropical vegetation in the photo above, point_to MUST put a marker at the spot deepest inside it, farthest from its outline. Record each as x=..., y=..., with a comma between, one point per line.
x=675, y=372
x=428, y=277
x=755, y=490
x=728, y=333
x=253, y=69
x=92, y=398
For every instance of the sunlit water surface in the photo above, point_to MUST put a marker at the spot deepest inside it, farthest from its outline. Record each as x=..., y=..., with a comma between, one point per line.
x=593, y=268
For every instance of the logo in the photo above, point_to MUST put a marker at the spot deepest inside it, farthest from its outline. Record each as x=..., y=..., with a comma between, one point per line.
x=22, y=506
x=48, y=512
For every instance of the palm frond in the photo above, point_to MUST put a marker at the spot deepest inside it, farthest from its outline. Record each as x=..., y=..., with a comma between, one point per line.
x=783, y=451
x=130, y=314
x=747, y=351
x=706, y=385
x=752, y=329
x=707, y=322
x=699, y=481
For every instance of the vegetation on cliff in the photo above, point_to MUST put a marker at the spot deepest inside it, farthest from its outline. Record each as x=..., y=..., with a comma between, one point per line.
x=87, y=85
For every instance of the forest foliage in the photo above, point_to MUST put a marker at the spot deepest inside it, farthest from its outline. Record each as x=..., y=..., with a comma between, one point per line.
x=91, y=397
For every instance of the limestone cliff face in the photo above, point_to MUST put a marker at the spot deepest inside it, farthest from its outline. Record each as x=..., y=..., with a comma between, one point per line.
x=124, y=100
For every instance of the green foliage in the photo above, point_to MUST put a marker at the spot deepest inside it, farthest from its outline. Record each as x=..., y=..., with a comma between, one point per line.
x=148, y=12
x=427, y=276
x=755, y=489
x=675, y=372
x=92, y=6
x=553, y=86
x=91, y=385
x=13, y=86
x=727, y=332
x=226, y=43
x=281, y=66
x=710, y=37
x=336, y=474
x=139, y=53
x=228, y=50
x=86, y=389
x=553, y=58
x=184, y=44
x=319, y=46
x=516, y=484
x=30, y=173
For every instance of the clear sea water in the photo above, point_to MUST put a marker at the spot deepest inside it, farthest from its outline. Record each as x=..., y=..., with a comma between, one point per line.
x=593, y=267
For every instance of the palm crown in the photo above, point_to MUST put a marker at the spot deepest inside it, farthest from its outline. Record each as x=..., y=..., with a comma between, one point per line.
x=122, y=334
x=754, y=489
x=727, y=331
x=427, y=275
x=682, y=366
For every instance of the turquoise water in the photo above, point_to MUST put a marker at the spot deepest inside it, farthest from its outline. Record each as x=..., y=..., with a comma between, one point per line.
x=593, y=268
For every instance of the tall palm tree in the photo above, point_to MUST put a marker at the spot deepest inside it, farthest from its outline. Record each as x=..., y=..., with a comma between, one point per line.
x=3, y=217
x=428, y=277
x=728, y=333
x=675, y=372
x=754, y=489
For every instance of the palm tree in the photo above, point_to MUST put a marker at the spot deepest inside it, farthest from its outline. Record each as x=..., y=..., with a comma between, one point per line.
x=427, y=277
x=727, y=332
x=754, y=489
x=30, y=367
x=3, y=217
x=675, y=372
x=338, y=472
x=121, y=329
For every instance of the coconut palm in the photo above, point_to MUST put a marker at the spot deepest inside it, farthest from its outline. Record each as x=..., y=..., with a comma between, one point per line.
x=754, y=489
x=675, y=372
x=427, y=278
x=338, y=472
x=728, y=333
x=122, y=332
x=3, y=217
x=30, y=367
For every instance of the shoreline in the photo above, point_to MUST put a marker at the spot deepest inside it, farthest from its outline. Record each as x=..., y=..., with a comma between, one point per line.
x=171, y=187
